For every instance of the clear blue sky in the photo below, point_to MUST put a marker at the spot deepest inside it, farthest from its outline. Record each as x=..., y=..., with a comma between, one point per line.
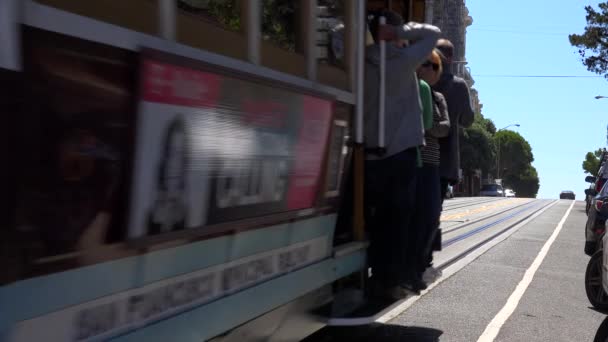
x=559, y=117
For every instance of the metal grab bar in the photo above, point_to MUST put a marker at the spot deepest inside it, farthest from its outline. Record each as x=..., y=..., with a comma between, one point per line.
x=382, y=91
x=360, y=56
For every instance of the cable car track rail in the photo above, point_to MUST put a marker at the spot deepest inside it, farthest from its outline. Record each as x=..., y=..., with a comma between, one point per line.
x=471, y=203
x=469, y=250
x=471, y=222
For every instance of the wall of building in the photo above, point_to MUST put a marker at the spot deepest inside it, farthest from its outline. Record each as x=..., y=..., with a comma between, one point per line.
x=452, y=17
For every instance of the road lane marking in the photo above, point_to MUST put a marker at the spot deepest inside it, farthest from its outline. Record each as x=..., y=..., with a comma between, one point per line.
x=448, y=272
x=493, y=328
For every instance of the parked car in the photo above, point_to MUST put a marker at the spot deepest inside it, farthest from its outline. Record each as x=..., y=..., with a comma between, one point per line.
x=509, y=193
x=596, y=220
x=492, y=190
x=596, y=282
x=588, y=191
x=597, y=183
x=567, y=194
x=601, y=335
x=596, y=277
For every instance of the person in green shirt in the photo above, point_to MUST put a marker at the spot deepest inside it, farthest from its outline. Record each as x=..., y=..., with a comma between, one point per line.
x=436, y=123
x=426, y=102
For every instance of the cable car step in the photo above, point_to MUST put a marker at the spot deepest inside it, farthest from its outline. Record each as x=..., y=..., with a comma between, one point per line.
x=351, y=309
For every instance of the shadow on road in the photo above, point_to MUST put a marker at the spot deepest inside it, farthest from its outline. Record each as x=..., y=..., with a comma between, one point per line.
x=605, y=312
x=377, y=332
x=602, y=332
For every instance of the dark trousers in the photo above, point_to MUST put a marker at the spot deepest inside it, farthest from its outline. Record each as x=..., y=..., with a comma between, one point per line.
x=390, y=188
x=444, y=187
x=426, y=217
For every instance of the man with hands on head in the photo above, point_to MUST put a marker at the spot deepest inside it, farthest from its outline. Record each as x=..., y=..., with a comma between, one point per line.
x=390, y=170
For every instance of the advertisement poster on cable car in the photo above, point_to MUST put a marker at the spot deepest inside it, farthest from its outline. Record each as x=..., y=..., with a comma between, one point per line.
x=212, y=148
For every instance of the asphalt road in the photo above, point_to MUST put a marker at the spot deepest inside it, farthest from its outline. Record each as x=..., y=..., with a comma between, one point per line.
x=494, y=243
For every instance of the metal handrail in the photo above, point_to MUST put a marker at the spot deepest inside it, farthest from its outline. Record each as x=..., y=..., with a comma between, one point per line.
x=382, y=91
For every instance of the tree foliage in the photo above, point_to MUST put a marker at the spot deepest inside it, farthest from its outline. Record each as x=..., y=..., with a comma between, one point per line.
x=593, y=43
x=515, y=163
x=591, y=164
x=278, y=17
x=487, y=124
x=515, y=153
x=525, y=184
x=477, y=148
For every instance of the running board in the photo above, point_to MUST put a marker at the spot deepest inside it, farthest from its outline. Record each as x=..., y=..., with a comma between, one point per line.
x=368, y=314
x=352, y=309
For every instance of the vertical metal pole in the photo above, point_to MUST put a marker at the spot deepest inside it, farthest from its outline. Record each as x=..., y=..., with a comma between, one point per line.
x=428, y=11
x=410, y=11
x=167, y=19
x=351, y=28
x=254, y=29
x=11, y=12
x=382, y=90
x=310, y=11
x=360, y=23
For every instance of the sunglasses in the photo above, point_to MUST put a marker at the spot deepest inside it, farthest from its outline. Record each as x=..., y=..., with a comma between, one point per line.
x=429, y=64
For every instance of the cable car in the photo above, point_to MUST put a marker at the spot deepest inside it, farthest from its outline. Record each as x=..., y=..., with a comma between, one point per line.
x=180, y=171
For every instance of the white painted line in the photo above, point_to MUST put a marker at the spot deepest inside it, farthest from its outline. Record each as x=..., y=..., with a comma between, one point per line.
x=457, y=266
x=503, y=315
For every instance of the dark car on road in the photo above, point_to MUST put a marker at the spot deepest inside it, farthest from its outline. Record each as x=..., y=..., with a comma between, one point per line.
x=492, y=190
x=567, y=195
x=596, y=219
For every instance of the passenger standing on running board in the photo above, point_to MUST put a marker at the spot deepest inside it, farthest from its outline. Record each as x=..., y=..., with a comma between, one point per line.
x=390, y=169
x=456, y=93
x=428, y=192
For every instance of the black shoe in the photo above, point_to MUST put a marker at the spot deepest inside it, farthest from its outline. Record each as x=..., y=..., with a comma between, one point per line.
x=381, y=292
x=396, y=293
x=420, y=285
x=410, y=288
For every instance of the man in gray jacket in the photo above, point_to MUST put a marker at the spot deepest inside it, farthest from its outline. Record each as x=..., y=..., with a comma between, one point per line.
x=456, y=93
x=390, y=172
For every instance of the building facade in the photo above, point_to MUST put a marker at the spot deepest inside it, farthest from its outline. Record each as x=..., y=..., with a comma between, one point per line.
x=452, y=17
